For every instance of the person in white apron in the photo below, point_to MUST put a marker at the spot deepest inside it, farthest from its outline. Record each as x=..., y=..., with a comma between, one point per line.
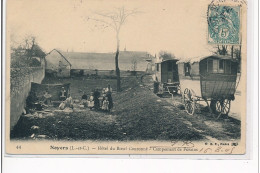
x=91, y=101
x=105, y=104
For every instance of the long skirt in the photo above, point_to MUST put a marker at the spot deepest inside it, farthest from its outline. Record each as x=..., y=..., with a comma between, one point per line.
x=110, y=100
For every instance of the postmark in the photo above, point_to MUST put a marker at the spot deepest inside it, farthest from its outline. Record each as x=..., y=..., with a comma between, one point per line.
x=223, y=24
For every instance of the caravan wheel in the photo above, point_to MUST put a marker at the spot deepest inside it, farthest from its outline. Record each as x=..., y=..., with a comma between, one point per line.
x=223, y=106
x=189, y=102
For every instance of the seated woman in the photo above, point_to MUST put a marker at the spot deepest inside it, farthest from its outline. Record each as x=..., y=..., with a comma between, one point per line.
x=31, y=100
x=62, y=105
x=68, y=103
x=84, y=99
x=84, y=96
x=47, y=98
x=91, y=101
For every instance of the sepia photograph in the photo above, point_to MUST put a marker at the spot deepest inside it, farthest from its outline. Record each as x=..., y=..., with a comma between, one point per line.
x=126, y=77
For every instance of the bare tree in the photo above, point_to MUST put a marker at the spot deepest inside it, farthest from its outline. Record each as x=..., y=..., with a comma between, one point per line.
x=23, y=51
x=235, y=52
x=29, y=45
x=165, y=54
x=237, y=55
x=222, y=50
x=134, y=65
x=115, y=20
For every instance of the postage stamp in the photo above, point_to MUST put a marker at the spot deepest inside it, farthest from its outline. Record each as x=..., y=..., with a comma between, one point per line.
x=224, y=24
x=125, y=77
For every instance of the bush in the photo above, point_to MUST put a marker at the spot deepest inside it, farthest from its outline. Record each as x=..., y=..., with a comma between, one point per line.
x=23, y=61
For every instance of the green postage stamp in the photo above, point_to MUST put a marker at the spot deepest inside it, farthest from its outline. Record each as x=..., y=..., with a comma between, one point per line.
x=224, y=24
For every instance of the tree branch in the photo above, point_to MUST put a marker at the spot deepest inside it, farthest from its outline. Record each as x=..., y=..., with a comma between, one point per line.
x=103, y=21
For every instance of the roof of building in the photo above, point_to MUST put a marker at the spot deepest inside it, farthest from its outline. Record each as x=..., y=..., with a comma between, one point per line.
x=60, y=55
x=106, y=61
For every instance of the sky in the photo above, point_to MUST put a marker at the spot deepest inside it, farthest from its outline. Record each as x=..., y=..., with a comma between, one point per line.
x=179, y=27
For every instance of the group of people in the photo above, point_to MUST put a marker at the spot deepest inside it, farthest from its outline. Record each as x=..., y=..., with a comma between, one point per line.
x=99, y=101
x=96, y=101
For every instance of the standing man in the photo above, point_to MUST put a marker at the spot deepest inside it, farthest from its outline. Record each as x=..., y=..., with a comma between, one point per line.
x=96, y=99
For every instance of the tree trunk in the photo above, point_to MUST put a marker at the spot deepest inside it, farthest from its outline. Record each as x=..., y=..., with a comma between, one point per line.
x=117, y=67
x=240, y=59
x=232, y=51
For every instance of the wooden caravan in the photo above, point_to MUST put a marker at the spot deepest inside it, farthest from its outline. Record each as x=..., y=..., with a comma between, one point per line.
x=211, y=78
x=166, y=76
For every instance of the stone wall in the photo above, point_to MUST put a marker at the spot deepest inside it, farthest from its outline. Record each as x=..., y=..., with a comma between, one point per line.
x=21, y=79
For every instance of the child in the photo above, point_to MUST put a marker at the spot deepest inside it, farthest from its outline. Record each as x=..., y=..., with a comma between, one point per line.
x=91, y=101
x=102, y=97
x=47, y=98
x=84, y=99
x=105, y=104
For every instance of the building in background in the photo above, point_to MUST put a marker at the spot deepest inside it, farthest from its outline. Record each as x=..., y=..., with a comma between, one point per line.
x=104, y=63
x=57, y=64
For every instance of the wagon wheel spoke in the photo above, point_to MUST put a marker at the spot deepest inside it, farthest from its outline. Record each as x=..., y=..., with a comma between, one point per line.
x=225, y=107
x=218, y=115
x=218, y=107
x=190, y=107
x=222, y=107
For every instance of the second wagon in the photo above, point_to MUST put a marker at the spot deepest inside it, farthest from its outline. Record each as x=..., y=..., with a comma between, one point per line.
x=212, y=79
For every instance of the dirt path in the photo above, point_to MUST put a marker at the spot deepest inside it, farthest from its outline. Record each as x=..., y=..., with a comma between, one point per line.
x=224, y=128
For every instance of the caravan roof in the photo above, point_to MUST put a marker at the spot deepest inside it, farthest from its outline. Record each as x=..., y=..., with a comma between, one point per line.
x=198, y=59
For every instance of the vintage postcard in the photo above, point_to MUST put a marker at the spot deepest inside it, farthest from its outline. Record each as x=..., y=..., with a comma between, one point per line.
x=126, y=77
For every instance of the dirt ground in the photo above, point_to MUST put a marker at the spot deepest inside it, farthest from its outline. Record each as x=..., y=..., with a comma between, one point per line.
x=138, y=114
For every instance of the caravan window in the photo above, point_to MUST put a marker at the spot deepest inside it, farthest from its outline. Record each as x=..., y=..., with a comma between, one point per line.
x=218, y=66
x=158, y=67
x=170, y=66
x=228, y=67
x=187, y=69
x=210, y=66
x=221, y=66
x=215, y=66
